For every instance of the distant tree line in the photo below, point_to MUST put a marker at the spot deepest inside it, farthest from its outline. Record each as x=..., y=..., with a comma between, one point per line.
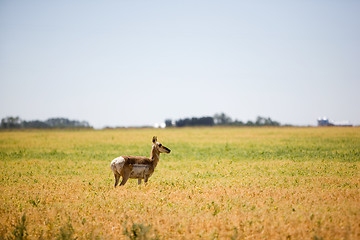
x=202, y=121
x=219, y=120
x=16, y=122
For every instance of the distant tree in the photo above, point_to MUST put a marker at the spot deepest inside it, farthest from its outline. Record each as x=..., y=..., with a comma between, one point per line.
x=206, y=121
x=249, y=123
x=16, y=122
x=237, y=123
x=11, y=122
x=66, y=123
x=85, y=124
x=203, y=121
x=35, y=124
x=222, y=119
x=180, y=123
x=168, y=123
x=261, y=121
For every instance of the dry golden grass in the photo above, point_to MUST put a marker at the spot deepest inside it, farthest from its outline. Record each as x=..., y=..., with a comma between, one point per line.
x=217, y=183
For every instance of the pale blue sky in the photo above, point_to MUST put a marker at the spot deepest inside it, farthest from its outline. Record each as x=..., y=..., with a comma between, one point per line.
x=119, y=63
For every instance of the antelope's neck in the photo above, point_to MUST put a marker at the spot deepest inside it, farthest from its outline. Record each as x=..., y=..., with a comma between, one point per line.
x=155, y=156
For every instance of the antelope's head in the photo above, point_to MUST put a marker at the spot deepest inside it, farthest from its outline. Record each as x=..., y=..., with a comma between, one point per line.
x=159, y=147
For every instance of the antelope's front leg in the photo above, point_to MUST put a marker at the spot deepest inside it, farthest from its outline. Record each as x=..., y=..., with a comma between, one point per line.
x=146, y=178
x=139, y=181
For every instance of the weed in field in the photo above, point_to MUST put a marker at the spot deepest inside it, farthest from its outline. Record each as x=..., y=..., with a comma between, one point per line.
x=35, y=202
x=137, y=231
x=20, y=232
x=66, y=232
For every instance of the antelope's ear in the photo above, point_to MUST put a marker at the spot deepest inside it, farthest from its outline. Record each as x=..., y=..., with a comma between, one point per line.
x=154, y=139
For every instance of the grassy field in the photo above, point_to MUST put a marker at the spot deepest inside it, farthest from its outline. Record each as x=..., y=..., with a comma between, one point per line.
x=217, y=183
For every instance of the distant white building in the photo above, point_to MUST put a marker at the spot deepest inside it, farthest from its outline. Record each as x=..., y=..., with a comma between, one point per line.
x=327, y=122
x=324, y=122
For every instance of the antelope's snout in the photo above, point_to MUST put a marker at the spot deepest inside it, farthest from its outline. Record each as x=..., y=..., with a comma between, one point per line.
x=165, y=149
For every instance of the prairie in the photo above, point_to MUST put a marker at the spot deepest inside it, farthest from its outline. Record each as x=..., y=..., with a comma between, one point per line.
x=217, y=183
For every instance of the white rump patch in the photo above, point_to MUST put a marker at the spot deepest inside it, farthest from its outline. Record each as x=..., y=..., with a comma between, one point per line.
x=117, y=164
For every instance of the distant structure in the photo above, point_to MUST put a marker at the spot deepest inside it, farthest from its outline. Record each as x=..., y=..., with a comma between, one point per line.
x=322, y=122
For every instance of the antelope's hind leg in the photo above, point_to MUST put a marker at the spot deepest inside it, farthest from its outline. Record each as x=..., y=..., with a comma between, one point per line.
x=117, y=178
x=125, y=176
x=124, y=180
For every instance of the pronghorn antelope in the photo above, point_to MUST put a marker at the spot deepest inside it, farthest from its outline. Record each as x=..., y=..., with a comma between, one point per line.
x=137, y=167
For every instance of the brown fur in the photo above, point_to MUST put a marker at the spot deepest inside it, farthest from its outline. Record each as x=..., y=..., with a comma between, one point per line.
x=137, y=160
